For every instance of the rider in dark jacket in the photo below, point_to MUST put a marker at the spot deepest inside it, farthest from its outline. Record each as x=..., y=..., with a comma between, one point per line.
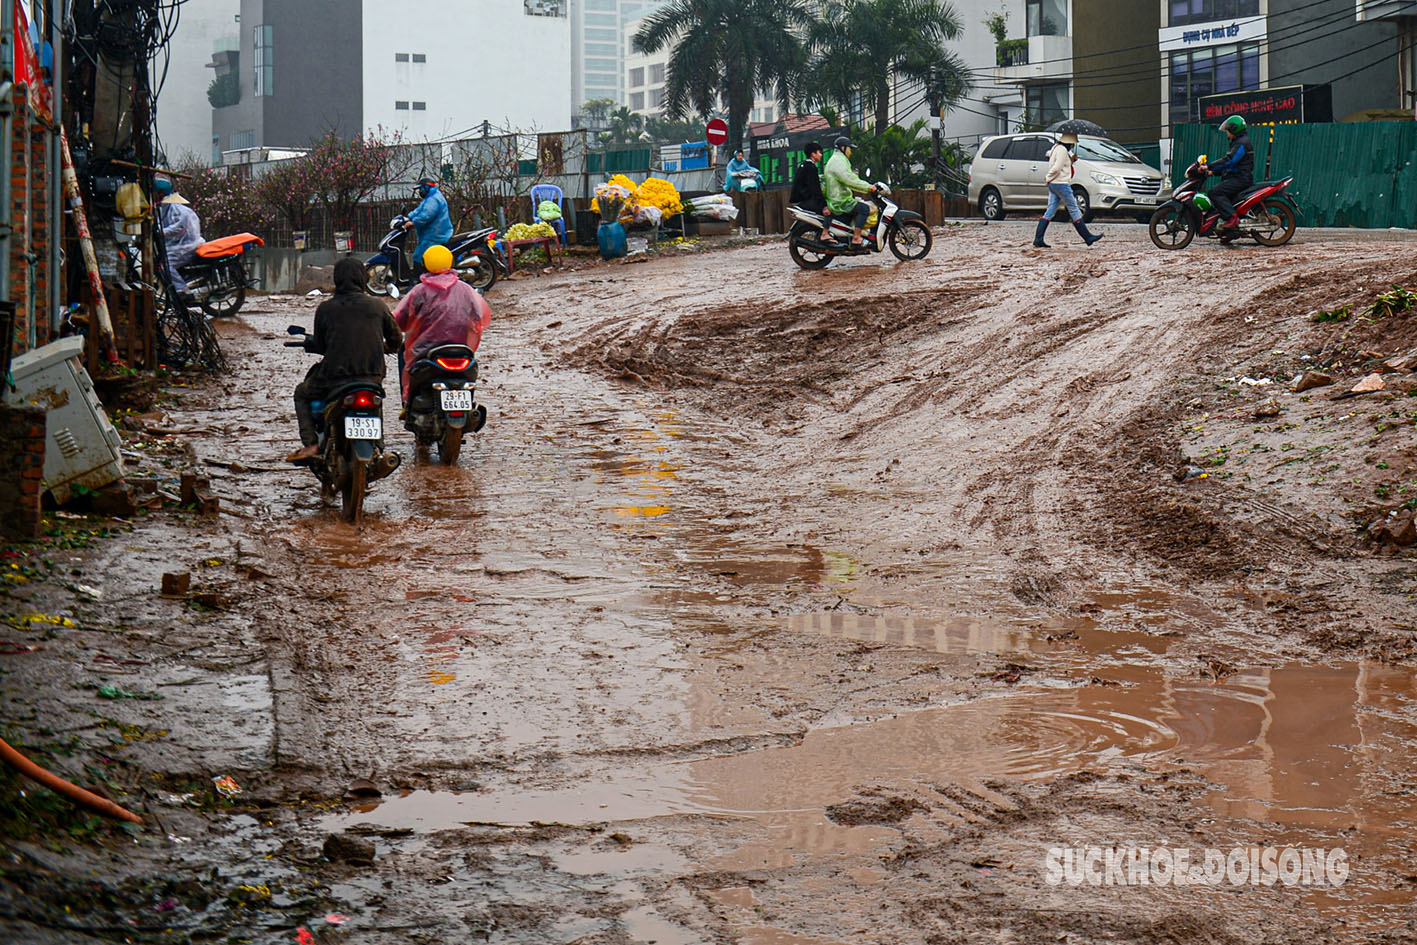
x=353, y=330
x=1236, y=170
x=807, y=188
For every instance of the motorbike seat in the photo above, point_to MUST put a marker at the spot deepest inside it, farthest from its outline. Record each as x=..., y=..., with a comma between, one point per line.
x=228, y=246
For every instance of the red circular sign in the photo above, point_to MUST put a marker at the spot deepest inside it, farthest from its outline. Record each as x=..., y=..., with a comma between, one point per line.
x=716, y=132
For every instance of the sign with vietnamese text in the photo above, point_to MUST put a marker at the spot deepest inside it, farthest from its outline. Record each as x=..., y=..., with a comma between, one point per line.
x=1283, y=106
x=777, y=156
x=1218, y=33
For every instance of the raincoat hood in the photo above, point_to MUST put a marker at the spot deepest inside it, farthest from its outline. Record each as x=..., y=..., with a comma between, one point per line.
x=350, y=276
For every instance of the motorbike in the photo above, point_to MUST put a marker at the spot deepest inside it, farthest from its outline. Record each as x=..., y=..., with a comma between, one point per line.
x=476, y=259
x=440, y=403
x=749, y=181
x=1266, y=210
x=216, y=278
x=903, y=230
x=350, y=424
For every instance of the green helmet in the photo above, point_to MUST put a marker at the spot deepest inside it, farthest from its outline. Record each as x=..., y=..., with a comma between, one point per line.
x=1202, y=202
x=1234, y=124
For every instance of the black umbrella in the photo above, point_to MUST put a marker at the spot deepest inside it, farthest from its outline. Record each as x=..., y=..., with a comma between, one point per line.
x=1078, y=126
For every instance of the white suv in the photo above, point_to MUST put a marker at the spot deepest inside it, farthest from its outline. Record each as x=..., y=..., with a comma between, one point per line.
x=1008, y=171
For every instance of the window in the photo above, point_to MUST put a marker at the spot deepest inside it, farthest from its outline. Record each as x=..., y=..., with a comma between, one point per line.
x=1202, y=72
x=600, y=35
x=602, y=65
x=420, y=106
x=1184, y=12
x=600, y=4
x=1029, y=148
x=1046, y=103
x=656, y=73
x=602, y=19
x=637, y=101
x=637, y=78
x=995, y=149
x=400, y=57
x=263, y=61
x=656, y=98
x=600, y=49
x=420, y=57
x=242, y=139
x=1047, y=17
x=400, y=106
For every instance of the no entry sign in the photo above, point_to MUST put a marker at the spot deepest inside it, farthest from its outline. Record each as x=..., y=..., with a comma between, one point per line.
x=716, y=132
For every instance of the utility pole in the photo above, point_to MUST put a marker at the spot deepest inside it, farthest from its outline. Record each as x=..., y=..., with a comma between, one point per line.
x=937, y=120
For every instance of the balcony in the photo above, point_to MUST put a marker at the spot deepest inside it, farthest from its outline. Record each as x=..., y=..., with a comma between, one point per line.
x=1384, y=9
x=1044, y=58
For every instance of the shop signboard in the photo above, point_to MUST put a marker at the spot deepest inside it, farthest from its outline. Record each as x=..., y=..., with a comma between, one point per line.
x=777, y=156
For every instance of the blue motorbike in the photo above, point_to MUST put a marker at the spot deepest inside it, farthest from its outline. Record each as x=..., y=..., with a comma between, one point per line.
x=476, y=259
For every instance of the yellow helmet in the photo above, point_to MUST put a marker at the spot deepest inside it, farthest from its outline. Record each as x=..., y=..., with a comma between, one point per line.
x=437, y=259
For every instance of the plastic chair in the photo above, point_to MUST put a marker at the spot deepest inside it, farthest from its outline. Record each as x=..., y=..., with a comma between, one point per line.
x=550, y=192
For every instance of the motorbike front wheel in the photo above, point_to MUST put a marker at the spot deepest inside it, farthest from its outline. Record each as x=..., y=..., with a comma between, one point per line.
x=224, y=301
x=1277, y=223
x=379, y=279
x=1170, y=228
x=911, y=240
x=352, y=498
x=481, y=274
x=805, y=256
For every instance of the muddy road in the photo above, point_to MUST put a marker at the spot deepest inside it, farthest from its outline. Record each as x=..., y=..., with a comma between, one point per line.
x=770, y=607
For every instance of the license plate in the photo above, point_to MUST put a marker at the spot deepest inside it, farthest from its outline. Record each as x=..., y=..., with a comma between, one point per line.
x=457, y=400
x=363, y=428
x=1146, y=199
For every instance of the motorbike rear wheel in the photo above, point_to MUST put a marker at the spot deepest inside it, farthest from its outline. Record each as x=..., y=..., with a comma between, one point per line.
x=379, y=279
x=352, y=498
x=1280, y=223
x=225, y=302
x=450, y=446
x=805, y=256
x=911, y=240
x=1170, y=228
x=481, y=276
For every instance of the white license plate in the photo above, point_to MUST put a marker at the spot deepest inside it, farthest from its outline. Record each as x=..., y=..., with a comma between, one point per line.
x=1147, y=199
x=363, y=428
x=457, y=400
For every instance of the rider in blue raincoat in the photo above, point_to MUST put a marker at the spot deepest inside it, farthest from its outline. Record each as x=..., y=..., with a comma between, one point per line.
x=435, y=225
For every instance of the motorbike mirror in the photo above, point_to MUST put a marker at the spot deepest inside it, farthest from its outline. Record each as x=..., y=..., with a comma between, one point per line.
x=393, y=291
x=295, y=330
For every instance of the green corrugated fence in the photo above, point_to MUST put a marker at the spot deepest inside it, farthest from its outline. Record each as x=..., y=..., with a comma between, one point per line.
x=1361, y=174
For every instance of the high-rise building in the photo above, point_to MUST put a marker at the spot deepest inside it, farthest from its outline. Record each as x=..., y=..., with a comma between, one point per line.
x=355, y=66
x=600, y=45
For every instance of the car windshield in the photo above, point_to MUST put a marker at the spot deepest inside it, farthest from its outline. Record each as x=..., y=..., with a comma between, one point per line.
x=1101, y=149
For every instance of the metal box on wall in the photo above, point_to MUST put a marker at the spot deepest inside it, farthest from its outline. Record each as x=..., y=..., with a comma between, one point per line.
x=82, y=448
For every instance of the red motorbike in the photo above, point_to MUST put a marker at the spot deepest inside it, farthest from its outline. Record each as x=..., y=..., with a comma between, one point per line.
x=1267, y=213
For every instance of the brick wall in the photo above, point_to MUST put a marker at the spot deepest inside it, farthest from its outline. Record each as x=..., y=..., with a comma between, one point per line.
x=30, y=176
x=22, y=439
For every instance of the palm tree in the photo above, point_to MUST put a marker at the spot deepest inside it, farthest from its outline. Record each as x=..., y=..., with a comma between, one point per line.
x=728, y=50
x=625, y=126
x=860, y=46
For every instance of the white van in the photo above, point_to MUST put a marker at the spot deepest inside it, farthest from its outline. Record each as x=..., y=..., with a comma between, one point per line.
x=1007, y=175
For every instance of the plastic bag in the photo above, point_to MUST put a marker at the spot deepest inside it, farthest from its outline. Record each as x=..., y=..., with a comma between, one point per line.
x=548, y=210
x=650, y=215
x=131, y=202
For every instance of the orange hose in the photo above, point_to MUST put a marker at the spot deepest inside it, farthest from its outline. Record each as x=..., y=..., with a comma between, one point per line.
x=72, y=791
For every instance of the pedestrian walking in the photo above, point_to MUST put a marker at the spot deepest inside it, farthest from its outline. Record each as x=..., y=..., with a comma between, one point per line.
x=1060, y=190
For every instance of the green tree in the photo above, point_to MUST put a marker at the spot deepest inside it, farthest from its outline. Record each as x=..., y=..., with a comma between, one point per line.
x=899, y=156
x=726, y=51
x=859, y=47
x=674, y=131
x=625, y=126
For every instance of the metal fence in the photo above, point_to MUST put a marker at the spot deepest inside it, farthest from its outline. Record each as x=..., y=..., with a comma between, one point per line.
x=1359, y=174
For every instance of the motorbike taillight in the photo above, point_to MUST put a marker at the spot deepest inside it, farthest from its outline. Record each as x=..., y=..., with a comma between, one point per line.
x=453, y=364
x=362, y=399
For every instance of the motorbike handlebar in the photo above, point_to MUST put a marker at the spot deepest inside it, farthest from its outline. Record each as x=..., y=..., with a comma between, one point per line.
x=294, y=344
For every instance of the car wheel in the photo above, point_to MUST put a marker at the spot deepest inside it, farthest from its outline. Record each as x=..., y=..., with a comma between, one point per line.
x=991, y=204
x=1084, y=204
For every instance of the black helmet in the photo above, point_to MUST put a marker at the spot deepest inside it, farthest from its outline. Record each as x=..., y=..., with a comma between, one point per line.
x=427, y=181
x=842, y=142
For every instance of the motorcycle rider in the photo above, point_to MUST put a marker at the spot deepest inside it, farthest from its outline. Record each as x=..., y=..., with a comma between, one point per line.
x=1236, y=170
x=181, y=231
x=842, y=187
x=440, y=310
x=807, y=189
x=737, y=171
x=431, y=217
x=353, y=330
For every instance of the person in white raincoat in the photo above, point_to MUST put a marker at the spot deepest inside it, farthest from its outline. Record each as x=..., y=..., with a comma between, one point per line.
x=181, y=231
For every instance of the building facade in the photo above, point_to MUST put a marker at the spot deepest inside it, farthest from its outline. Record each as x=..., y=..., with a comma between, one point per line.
x=184, y=111
x=356, y=66
x=601, y=37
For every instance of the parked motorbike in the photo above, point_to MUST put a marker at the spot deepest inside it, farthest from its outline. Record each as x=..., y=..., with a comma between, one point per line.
x=903, y=230
x=440, y=403
x=476, y=259
x=1267, y=213
x=217, y=278
x=351, y=428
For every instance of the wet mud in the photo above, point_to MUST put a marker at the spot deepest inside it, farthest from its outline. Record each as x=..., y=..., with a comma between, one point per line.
x=769, y=607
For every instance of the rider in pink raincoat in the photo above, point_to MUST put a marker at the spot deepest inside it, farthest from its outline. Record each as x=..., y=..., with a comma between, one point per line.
x=440, y=310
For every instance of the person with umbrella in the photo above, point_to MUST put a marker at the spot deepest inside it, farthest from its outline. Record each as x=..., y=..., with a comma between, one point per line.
x=1060, y=185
